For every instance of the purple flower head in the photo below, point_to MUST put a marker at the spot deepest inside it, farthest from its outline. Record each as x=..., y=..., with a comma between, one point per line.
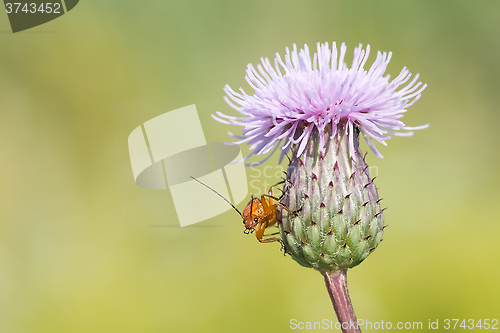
x=320, y=94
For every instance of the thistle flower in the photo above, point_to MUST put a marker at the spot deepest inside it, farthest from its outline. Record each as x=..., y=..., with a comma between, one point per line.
x=318, y=94
x=316, y=109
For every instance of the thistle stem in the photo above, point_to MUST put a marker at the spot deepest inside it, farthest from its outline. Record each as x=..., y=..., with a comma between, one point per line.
x=336, y=283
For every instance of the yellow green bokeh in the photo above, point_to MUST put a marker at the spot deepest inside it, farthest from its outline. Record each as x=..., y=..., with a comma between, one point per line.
x=83, y=249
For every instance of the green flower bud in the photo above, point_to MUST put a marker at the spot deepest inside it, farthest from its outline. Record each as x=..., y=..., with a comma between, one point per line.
x=335, y=220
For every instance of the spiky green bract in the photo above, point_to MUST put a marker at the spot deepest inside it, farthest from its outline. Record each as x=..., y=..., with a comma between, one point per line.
x=337, y=220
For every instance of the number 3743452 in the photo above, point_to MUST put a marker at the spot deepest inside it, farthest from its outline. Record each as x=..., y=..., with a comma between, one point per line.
x=44, y=7
x=471, y=324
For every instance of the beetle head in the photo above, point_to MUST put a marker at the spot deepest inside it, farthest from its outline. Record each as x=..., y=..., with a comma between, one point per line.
x=251, y=215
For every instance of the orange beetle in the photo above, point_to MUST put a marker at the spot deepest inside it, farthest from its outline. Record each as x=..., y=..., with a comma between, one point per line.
x=259, y=214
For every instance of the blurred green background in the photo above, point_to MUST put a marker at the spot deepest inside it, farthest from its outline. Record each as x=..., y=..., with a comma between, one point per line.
x=83, y=249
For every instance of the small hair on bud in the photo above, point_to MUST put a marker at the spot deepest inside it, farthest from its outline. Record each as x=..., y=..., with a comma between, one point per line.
x=379, y=213
x=379, y=200
x=366, y=203
x=314, y=176
x=348, y=196
x=374, y=178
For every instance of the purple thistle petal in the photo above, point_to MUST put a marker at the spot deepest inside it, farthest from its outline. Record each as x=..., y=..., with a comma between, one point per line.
x=319, y=93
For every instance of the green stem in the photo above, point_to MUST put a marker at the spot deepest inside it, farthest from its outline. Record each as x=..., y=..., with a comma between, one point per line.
x=336, y=283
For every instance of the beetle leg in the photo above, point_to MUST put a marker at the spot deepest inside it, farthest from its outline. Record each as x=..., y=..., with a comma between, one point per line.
x=284, y=181
x=272, y=239
x=260, y=233
x=265, y=204
x=269, y=196
x=274, y=233
x=281, y=205
x=275, y=239
x=282, y=191
x=271, y=188
x=269, y=213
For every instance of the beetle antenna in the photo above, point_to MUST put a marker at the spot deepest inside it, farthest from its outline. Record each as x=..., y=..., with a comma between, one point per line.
x=220, y=195
x=251, y=206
